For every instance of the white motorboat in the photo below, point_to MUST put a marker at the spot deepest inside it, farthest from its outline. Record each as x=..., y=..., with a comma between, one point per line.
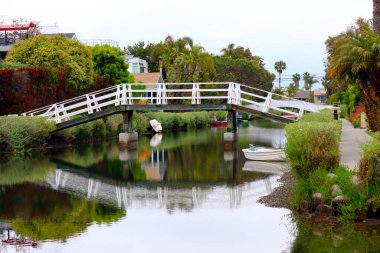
x=258, y=153
x=156, y=126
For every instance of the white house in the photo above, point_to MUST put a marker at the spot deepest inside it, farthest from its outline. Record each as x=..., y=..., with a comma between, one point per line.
x=136, y=65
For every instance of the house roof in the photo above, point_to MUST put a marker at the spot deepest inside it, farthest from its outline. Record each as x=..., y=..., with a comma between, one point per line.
x=149, y=78
x=15, y=27
x=302, y=94
x=320, y=92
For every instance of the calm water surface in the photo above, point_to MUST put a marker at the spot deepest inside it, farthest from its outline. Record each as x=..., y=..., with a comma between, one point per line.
x=178, y=192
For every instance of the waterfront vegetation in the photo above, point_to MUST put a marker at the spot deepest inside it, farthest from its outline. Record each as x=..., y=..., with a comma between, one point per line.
x=313, y=142
x=21, y=134
x=313, y=151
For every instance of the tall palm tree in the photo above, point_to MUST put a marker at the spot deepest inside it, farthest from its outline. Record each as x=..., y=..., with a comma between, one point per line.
x=296, y=79
x=376, y=16
x=355, y=56
x=279, y=66
x=309, y=80
x=228, y=51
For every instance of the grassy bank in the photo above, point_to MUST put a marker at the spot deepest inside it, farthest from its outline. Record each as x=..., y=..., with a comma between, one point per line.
x=313, y=151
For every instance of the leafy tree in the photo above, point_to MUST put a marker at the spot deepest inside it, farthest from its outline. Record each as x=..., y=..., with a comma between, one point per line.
x=56, y=52
x=278, y=90
x=109, y=63
x=244, y=72
x=292, y=89
x=144, y=51
x=355, y=55
x=241, y=53
x=183, y=61
x=279, y=66
x=228, y=51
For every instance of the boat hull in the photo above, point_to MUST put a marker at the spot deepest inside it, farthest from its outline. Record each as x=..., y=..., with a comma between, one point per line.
x=216, y=123
x=156, y=125
x=265, y=155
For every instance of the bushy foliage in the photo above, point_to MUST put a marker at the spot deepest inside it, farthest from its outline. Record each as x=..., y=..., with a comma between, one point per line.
x=58, y=52
x=26, y=88
x=20, y=134
x=180, y=120
x=111, y=126
x=313, y=142
x=218, y=115
x=109, y=63
x=242, y=71
x=343, y=111
x=183, y=61
x=369, y=164
x=354, y=56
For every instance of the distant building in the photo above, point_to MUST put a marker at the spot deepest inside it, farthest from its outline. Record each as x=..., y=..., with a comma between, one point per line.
x=72, y=36
x=320, y=96
x=151, y=79
x=100, y=42
x=136, y=64
x=303, y=95
x=10, y=34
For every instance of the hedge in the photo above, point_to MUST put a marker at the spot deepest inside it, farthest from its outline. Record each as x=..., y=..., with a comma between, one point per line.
x=313, y=142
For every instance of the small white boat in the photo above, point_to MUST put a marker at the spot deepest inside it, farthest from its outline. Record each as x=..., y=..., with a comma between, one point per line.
x=257, y=153
x=156, y=126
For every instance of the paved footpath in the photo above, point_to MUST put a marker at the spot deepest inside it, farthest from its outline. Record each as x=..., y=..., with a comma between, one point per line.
x=350, y=144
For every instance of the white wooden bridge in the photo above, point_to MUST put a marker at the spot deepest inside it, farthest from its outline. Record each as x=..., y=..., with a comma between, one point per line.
x=174, y=97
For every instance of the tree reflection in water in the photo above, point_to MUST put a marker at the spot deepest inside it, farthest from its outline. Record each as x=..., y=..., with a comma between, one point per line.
x=44, y=214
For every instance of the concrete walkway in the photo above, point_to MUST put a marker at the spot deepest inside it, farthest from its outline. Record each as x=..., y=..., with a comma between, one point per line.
x=350, y=144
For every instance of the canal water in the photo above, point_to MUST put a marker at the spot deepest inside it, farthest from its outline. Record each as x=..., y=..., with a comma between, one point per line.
x=178, y=192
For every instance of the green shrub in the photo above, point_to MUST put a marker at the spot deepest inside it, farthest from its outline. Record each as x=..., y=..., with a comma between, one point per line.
x=343, y=111
x=325, y=115
x=140, y=122
x=312, y=145
x=369, y=164
x=356, y=122
x=99, y=128
x=23, y=133
x=113, y=124
x=179, y=120
x=219, y=115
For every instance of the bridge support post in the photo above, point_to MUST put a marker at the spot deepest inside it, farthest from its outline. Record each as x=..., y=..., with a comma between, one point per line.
x=230, y=136
x=128, y=138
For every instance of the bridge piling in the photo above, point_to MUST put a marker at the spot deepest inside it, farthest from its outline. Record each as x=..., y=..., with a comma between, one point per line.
x=230, y=136
x=128, y=138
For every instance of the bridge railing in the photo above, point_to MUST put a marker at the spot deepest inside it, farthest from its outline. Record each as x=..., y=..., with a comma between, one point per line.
x=171, y=93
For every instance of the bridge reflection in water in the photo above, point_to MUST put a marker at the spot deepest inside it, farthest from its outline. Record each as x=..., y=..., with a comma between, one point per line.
x=156, y=191
x=161, y=196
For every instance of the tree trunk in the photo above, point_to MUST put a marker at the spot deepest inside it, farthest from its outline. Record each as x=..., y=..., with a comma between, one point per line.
x=376, y=16
x=373, y=116
x=371, y=103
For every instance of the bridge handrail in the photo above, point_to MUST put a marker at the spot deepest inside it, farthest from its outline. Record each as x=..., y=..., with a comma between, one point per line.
x=160, y=93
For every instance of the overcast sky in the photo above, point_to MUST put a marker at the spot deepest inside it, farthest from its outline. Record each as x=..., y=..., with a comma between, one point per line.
x=293, y=30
